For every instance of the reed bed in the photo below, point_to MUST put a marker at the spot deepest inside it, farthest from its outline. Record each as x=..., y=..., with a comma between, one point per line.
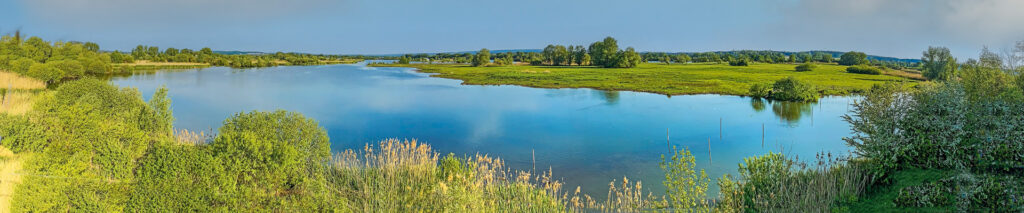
x=186, y=137
x=772, y=183
x=13, y=81
x=408, y=176
x=18, y=102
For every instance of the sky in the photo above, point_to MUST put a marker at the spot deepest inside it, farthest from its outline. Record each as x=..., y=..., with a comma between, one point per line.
x=897, y=28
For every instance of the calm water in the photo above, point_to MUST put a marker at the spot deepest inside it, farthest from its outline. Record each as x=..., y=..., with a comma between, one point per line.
x=588, y=137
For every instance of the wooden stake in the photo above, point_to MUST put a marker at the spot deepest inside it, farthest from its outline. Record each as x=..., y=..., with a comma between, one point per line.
x=668, y=141
x=709, y=152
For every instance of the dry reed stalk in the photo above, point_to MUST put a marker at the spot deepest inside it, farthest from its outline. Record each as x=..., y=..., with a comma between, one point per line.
x=13, y=81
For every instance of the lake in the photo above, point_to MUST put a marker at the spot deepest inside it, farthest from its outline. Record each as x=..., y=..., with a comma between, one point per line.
x=587, y=137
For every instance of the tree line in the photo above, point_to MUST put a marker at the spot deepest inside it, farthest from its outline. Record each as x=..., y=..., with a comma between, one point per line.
x=58, y=60
x=606, y=53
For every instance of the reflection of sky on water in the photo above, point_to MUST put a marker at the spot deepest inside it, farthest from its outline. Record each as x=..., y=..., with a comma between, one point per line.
x=588, y=137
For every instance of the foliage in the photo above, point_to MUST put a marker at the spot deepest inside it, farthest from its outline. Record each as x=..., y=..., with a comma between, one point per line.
x=966, y=192
x=161, y=105
x=482, y=58
x=603, y=53
x=853, y=58
x=403, y=60
x=682, y=58
x=739, y=62
x=863, y=69
x=762, y=90
x=88, y=137
x=791, y=89
x=938, y=64
x=805, y=67
x=627, y=59
x=685, y=187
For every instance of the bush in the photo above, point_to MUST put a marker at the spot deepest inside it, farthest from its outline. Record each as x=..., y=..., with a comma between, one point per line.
x=942, y=126
x=761, y=90
x=742, y=62
x=805, y=67
x=791, y=89
x=685, y=187
x=864, y=69
x=45, y=72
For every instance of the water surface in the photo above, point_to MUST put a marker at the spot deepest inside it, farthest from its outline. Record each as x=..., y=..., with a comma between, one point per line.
x=587, y=137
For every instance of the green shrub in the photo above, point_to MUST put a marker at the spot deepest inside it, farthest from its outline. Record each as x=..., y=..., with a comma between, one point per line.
x=22, y=65
x=763, y=90
x=864, y=69
x=685, y=187
x=92, y=134
x=805, y=67
x=742, y=62
x=791, y=89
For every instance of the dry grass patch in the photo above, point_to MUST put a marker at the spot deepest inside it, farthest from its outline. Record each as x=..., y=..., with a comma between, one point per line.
x=18, y=102
x=13, y=81
x=911, y=74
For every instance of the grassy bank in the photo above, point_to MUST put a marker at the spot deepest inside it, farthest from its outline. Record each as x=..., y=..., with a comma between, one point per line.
x=142, y=65
x=148, y=67
x=672, y=79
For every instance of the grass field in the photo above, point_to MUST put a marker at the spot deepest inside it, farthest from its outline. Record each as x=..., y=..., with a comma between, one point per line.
x=148, y=65
x=13, y=81
x=673, y=79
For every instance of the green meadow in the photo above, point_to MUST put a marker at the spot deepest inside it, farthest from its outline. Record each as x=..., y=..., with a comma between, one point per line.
x=667, y=79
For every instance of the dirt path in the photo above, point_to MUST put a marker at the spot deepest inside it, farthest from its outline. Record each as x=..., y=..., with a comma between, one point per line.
x=9, y=177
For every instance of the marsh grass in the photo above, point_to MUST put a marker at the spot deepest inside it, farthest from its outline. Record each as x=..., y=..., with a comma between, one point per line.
x=409, y=176
x=13, y=81
x=186, y=137
x=672, y=79
x=19, y=102
x=773, y=183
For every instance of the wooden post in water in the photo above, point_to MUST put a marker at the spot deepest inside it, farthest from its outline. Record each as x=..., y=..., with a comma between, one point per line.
x=709, y=151
x=719, y=128
x=533, y=154
x=668, y=141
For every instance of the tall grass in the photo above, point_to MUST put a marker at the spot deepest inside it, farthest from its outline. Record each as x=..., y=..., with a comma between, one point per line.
x=773, y=183
x=13, y=81
x=186, y=137
x=409, y=176
x=19, y=102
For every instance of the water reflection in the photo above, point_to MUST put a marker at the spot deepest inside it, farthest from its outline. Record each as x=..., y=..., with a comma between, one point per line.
x=757, y=103
x=587, y=137
x=609, y=97
x=787, y=111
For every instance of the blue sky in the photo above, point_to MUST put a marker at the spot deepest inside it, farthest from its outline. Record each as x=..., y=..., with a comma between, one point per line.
x=900, y=28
